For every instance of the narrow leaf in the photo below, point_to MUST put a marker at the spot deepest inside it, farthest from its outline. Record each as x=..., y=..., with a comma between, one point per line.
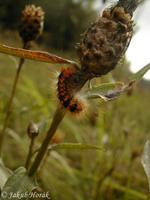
x=35, y=55
x=145, y=160
x=63, y=162
x=110, y=91
x=19, y=183
x=74, y=146
x=139, y=75
x=107, y=91
x=106, y=86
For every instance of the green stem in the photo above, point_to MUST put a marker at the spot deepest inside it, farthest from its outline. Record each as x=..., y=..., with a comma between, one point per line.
x=99, y=182
x=10, y=101
x=135, y=194
x=30, y=153
x=58, y=117
x=148, y=196
x=9, y=106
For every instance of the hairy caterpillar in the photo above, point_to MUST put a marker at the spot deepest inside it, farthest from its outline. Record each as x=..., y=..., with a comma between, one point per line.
x=70, y=81
x=100, y=49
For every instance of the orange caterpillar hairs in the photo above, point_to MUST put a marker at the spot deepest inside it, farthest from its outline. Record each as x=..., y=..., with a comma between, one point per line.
x=70, y=81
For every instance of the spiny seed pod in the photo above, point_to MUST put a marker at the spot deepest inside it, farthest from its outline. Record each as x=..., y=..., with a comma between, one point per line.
x=32, y=20
x=105, y=41
x=32, y=130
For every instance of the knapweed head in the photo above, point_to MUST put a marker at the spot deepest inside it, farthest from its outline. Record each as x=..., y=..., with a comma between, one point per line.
x=32, y=21
x=101, y=47
x=105, y=41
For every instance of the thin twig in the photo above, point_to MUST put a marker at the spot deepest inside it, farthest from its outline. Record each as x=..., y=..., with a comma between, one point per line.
x=28, y=160
x=10, y=101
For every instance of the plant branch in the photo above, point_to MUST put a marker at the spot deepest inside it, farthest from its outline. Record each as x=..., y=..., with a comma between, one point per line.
x=58, y=117
x=129, y=5
x=10, y=101
x=30, y=153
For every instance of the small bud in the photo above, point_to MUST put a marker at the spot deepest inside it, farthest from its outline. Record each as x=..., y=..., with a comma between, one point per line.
x=32, y=130
x=32, y=21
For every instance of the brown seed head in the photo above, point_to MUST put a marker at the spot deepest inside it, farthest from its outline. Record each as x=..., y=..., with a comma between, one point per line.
x=104, y=43
x=32, y=21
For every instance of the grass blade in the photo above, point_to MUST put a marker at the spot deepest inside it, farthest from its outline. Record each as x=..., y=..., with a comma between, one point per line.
x=74, y=146
x=139, y=75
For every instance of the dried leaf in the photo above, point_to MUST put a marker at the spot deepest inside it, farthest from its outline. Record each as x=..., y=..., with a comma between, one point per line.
x=106, y=92
x=110, y=91
x=35, y=55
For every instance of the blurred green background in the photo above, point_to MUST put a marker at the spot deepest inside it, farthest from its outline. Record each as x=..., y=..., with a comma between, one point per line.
x=121, y=126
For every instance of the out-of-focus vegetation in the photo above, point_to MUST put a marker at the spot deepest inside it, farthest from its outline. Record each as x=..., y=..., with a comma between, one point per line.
x=64, y=20
x=120, y=127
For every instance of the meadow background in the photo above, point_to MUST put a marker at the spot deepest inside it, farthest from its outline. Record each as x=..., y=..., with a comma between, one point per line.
x=121, y=127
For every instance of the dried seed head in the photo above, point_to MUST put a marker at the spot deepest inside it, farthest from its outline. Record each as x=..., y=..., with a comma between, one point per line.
x=104, y=43
x=32, y=130
x=32, y=20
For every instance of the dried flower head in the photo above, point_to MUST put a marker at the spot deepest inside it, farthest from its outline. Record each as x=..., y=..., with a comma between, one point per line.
x=32, y=21
x=99, y=51
x=106, y=40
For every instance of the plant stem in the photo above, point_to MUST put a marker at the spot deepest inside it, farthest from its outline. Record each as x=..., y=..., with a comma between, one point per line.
x=99, y=182
x=58, y=117
x=10, y=101
x=129, y=5
x=30, y=153
x=133, y=193
x=148, y=196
